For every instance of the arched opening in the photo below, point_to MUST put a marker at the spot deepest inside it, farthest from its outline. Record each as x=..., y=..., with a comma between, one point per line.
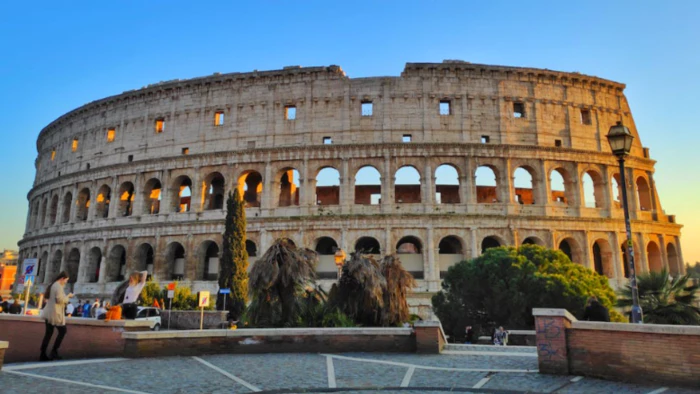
x=67, y=203
x=175, y=261
x=603, y=258
x=328, y=187
x=409, y=249
x=654, y=257
x=208, y=267
x=144, y=258
x=446, y=185
x=55, y=266
x=643, y=194
x=53, y=211
x=92, y=272
x=533, y=241
x=486, y=185
x=213, y=192
x=41, y=267
x=593, y=190
x=250, y=187
x=407, y=186
x=116, y=264
x=72, y=265
x=409, y=245
x=126, y=199
x=33, y=214
x=43, y=220
x=326, y=248
x=489, y=242
x=182, y=194
x=367, y=245
x=674, y=263
x=251, y=248
x=102, y=202
x=83, y=204
x=151, y=197
x=616, y=191
x=557, y=185
x=289, y=187
x=523, y=186
x=287, y=240
x=450, y=252
x=368, y=186
x=625, y=259
x=571, y=249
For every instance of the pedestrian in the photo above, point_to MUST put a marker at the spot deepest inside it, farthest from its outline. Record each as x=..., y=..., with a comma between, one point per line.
x=78, y=310
x=136, y=282
x=94, y=307
x=86, y=309
x=70, y=309
x=54, y=315
x=16, y=308
x=100, y=311
x=500, y=337
x=595, y=311
x=470, y=335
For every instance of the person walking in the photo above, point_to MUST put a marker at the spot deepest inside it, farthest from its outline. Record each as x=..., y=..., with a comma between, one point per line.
x=500, y=337
x=54, y=315
x=470, y=335
x=70, y=309
x=136, y=282
x=595, y=311
x=86, y=309
x=94, y=307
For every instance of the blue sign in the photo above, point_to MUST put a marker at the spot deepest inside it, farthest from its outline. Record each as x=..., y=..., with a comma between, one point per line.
x=29, y=278
x=224, y=291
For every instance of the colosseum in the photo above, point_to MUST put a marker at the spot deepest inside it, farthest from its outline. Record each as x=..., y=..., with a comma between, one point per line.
x=437, y=164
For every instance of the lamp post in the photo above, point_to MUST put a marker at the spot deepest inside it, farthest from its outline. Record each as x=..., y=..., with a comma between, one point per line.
x=339, y=261
x=620, y=140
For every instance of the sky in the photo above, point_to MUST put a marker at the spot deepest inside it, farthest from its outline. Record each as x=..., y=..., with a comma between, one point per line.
x=57, y=56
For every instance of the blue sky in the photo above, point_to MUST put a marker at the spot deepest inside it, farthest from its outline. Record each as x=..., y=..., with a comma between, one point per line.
x=56, y=56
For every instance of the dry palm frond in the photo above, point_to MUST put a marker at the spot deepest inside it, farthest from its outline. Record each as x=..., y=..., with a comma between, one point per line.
x=399, y=283
x=360, y=291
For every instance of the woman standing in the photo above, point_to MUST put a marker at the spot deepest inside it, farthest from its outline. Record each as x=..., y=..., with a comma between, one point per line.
x=55, y=316
x=136, y=282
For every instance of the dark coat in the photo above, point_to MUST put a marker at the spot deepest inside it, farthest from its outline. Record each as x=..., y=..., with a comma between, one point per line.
x=15, y=309
x=596, y=312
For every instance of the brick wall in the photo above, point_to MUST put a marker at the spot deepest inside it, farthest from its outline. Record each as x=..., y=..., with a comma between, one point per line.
x=3, y=347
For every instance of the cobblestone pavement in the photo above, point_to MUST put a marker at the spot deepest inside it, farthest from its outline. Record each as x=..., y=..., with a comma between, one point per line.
x=467, y=369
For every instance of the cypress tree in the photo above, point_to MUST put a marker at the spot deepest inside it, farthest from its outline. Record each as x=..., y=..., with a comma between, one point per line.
x=233, y=270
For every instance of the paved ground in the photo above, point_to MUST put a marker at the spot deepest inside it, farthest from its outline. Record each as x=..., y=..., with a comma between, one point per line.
x=467, y=369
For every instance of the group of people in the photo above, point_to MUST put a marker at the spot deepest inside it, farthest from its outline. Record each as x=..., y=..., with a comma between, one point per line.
x=57, y=308
x=11, y=306
x=95, y=310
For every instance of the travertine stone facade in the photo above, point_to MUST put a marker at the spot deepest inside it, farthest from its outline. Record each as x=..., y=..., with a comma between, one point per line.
x=137, y=180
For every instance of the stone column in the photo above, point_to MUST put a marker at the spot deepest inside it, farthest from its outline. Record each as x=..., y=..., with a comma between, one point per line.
x=139, y=186
x=428, y=187
x=664, y=254
x=93, y=201
x=347, y=186
x=587, y=252
x=468, y=183
x=429, y=269
x=388, y=181
x=82, y=265
x=73, y=210
x=507, y=188
x=474, y=246
x=388, y=242
x=641, y=262
x=617, y=257
x=165, y=193
x=103, y=266
x=114, y=199
x=197, y=199
x=267, y=197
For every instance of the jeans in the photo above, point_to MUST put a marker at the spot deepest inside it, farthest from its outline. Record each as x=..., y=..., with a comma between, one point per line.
x=49, y=333
x=129, y=311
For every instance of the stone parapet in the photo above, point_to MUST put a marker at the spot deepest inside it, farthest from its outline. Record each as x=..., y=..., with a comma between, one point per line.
x=3, y=348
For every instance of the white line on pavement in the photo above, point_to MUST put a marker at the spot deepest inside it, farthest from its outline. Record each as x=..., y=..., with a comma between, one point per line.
x=407, y=378
x=59, y=364
x=658, y=391
x=367, y=360
x=331, y=372
x=482, y=353
x=31, y=375
x=576, y=379
x=481, y=383
x=228, y=375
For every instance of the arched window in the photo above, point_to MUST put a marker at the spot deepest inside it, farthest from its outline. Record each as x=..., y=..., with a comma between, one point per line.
x=616, y=191
x=103, y=198
x=116, y=264
x=674, y=263
x=368, y=186
x=446, y=185
x=602, y=258
x=182, y=194
x=53, y=211
x=43, y=220
x=409, y=245
x=55, y=266
x=523, y=186
x=450, y=252
x=489, y=242
x=213, y=192
x=572, y=250
x=326, y=246
x=251, y=248
x=83, y=204
x=367, y=245
x=593, y=190
x=93, y=269
x=126, y=199
x=654, y=257
x=144, y=258
x=72, y=265
x=407, y=186
x=208, y=268
x=41, y=267
x=289, y=187
x=644, y=194
x=250, y=187
x=557, y=185
x=486, y=185
x=175, y=261
x=67, y=203
x=327, y=187
x=151, y=197
x=410, y=249
x=533, y=241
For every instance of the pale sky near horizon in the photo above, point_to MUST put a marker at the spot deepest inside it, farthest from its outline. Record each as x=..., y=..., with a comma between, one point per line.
x=57, y=56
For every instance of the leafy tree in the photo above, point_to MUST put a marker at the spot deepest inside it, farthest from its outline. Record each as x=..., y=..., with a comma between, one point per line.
x=502, y=286
x=233, y=271
x=693, y=270
x=664, y=300
x=151, y=292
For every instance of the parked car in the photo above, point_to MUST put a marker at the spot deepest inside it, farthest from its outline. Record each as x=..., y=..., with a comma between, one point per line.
x=151, y=315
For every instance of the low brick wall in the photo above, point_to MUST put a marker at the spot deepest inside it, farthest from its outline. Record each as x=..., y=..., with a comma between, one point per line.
x=3, y=348
x=640, y=353
x=85, y=338
x=189, y=320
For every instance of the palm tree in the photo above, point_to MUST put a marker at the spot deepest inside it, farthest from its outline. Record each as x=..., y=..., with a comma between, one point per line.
x=664, y=300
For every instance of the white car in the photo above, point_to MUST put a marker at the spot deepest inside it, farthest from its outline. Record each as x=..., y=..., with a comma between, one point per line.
x=152, y=315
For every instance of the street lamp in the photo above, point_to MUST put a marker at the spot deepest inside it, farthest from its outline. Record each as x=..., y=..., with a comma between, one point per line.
x=620, y=140
x=339, y=261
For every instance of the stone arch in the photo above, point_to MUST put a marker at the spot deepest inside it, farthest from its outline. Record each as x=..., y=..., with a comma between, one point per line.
x=33, y=214
x=67, y=204
x=250, y=187
x=251, y=248
x=42, y=263
x=486, y=183
x=152, y=194
x=144, y=258
x=625, y=259
x=175, y=262
x=53, y=210
x=213, y=190
x=533, y=240
x=616, y=190
x=407, y=187
x=674, y=262
x=104, y=195
x=492, y=241
x=571, y=249
x=126, y=199
x=181, y=194
x=409, y=245
x=643, y=194
x=450, y=252
x=327, y=187
x=82, y=205
x=368, y=245
x=116, y=264
x=208, y=261
x=92, y=271
x=603, y=258
x=524, y=185
x=560, y=186
x=43, y=219
x=410, y=252
x=288, y=179
x=73, y=265
x=593, y=189
x=654, y=257
x=368, y=186
x=326, y=246
x=447, y=184
x=54, y=267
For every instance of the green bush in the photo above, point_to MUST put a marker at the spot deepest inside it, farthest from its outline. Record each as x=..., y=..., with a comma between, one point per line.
x=151, y=292
x=185, y=300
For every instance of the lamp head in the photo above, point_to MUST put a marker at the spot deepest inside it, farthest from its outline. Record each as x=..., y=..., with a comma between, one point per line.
x=620, y=140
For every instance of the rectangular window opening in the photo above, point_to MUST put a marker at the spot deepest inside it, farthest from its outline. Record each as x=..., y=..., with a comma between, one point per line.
x=327, y=140
x=485, y=139
x=160, y=125
x=585, y=116
x=185, y=151
x=367, y=108
x=251, y=144
x=406, y=138
x=111, y=133
x=130, y=158
x=74, y=146
x=518, y=110
x=557, y=143
x=290, y=112
x=445, y=107
x=87, y=166
x=53, y=154
x=219, y=118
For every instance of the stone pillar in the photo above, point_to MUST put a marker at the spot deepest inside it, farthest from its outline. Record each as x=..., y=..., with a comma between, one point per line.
x=474, y=246
x=267, y=197
x=82, y=265
x=587, y=252
x=139, y=186
x=552, y=353
x=347, y=187
x=114, y=199
x=429, y=337
x=93, y=201
x=388, y=181
x=103, y=267
x=640, y=259
x=388, y=242
x=429, y=265
x=73, y=210
x=617, y=257
x=664, y=255
x=428, y=187
x=468, y=183
x=508, y=178
x=197, y=199
x=165, y=195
